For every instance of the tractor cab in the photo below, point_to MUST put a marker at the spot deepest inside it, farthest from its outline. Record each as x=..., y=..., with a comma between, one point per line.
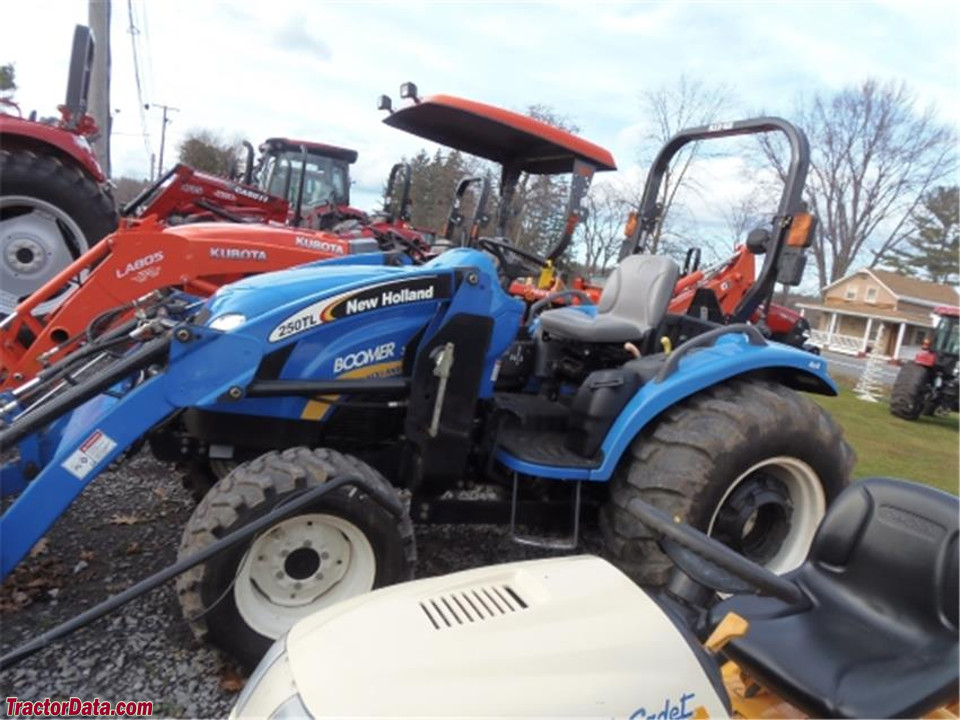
x=313, y=177
x=947, y=339
x=520, y=145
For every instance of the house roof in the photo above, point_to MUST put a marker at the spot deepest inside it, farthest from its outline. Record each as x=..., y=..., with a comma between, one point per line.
x=870, y=310
x=907, y=288
x=914, y=288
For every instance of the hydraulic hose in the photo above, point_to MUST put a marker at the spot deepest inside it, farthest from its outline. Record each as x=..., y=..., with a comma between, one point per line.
x=79, y=394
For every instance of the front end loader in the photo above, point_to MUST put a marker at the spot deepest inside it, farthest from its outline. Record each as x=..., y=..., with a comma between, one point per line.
x=426, y=378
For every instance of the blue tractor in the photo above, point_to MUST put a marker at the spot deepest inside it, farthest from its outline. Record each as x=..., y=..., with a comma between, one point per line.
x=423, y=380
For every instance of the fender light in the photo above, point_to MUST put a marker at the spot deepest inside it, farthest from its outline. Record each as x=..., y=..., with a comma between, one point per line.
x=227, y=322
x=802, y=229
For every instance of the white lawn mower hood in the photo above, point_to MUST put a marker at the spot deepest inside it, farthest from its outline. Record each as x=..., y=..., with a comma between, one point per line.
x=567, y=637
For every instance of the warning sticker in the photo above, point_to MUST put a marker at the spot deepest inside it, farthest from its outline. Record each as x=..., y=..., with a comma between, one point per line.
x=86, y=457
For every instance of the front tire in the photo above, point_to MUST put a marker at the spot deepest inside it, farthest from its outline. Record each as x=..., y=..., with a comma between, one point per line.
x=751, y=463
x=909, y=396
x=245, y=598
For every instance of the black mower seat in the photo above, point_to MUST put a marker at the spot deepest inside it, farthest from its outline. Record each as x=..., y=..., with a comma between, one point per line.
x=878, y=638
x=633, y=301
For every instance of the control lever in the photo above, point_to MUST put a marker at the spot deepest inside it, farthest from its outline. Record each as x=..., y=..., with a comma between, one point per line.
x=442, y=365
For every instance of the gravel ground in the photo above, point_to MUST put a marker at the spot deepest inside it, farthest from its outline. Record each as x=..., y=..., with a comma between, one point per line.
x=123, y=528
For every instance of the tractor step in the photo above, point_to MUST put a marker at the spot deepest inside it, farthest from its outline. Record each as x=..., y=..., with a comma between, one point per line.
x=539, y=447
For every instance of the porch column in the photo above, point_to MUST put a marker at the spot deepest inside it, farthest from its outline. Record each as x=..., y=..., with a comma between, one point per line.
x=896, y=348
x=866, y=335
x=833, y=326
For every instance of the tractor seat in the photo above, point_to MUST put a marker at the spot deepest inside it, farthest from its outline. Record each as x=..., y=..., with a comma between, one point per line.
x=633, y=301
x=878, y=637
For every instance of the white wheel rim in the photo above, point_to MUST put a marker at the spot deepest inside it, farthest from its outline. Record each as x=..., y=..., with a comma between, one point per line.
x=299, y=566
x=805, y=492
x=33, y=248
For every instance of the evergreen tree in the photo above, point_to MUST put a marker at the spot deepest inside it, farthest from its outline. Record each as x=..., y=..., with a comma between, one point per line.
x=932, y=247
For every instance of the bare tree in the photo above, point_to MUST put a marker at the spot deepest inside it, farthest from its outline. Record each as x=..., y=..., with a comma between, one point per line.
x=601, y=233
x=873, y=158
x=671, y=108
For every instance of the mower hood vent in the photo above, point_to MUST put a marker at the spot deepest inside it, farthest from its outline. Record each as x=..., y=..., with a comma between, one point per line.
x=472, y=605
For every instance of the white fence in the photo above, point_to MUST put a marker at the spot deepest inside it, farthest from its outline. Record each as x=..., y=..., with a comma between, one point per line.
x=847, y=344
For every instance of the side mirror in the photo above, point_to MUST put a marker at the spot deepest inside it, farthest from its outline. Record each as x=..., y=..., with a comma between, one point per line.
x=409, y=91
x=758, y=240
x=384, y=103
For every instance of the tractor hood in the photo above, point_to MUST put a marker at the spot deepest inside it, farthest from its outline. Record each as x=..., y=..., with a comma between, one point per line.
x=570, y=637
x=260, y=294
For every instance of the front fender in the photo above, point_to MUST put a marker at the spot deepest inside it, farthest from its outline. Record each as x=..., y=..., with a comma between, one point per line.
x=731, y=356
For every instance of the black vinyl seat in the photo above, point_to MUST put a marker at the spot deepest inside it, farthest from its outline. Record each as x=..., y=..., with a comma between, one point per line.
x=878, y=637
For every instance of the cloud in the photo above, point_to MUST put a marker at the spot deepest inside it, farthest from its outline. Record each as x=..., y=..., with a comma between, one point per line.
x=295, y=37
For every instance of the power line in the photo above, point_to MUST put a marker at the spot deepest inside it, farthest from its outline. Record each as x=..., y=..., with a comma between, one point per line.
x=136, y=72
x=146, y=51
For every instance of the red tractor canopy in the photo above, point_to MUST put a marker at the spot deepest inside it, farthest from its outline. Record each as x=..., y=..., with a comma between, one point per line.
x=505, y=137
x=519, y=143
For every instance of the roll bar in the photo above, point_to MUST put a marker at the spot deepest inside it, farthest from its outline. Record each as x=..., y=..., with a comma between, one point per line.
x=791, y=202
x=390, y=197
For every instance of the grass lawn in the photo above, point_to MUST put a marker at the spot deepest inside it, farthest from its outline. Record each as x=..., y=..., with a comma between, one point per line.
x=926, y=450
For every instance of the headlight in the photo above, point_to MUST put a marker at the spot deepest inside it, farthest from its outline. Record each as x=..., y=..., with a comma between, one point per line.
x=229, y=321
x=270, y=692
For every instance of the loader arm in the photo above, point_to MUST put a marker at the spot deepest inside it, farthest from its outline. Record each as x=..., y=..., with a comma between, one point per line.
x=132, y=263
x=84, y=439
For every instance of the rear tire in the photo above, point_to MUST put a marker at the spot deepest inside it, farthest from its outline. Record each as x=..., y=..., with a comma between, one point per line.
x=908, y=399
x=51, y=212
x=245, y=598
x=752, y=463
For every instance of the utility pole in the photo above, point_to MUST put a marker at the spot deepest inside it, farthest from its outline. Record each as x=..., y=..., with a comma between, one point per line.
x=163, y=131
x=98, y=15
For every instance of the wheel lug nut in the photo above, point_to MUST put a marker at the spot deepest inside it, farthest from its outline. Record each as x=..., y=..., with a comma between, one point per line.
x=308, y=543
x=324, y=555
x=319, y=576
x=297, y=585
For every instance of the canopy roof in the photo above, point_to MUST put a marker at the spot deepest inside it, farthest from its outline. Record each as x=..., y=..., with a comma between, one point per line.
x=314, y=148
x=502, y=136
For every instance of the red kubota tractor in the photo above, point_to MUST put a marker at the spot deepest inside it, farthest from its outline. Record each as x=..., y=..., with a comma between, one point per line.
x=136, y=267
x=928, y=384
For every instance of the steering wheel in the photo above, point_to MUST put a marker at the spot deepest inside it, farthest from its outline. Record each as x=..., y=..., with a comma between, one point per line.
x=500, y=249
x=708, y=561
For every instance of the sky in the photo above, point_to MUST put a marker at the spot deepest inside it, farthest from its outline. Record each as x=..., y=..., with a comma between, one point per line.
x=313, y=70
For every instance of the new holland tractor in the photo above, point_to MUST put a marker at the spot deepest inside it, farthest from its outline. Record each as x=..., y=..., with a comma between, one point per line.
x=413, y=381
